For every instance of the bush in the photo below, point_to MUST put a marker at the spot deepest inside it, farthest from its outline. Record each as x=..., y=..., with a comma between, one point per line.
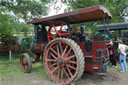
x=25, y=43
x=6, y=39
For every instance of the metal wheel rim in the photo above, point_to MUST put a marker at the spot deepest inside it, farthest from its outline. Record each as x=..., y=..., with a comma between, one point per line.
x=24, y=64
x=59, y=70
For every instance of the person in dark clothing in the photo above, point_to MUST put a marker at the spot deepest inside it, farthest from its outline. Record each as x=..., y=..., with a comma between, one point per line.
x=112, y=56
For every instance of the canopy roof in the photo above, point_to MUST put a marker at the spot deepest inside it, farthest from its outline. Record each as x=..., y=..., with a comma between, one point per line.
x=118, y=26
x=83, y=15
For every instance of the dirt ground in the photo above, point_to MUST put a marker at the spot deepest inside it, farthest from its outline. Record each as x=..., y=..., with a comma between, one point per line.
x=113, y=77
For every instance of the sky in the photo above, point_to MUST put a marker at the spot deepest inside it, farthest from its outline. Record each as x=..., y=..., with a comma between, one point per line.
x=58, y=5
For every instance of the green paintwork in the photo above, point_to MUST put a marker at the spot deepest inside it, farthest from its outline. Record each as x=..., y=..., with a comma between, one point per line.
x=117, y=26
x=107, y=35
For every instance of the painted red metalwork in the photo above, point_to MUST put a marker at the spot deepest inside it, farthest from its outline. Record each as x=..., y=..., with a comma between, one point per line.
x=36, y=61
x=93, y=62
x=38, y=48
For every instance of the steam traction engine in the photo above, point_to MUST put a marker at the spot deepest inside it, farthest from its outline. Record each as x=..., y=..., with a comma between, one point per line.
x=67, y=54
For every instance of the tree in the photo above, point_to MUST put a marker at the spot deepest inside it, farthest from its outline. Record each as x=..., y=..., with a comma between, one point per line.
x=6, y=28
x=13, y=11
x=118, y=9
x=24, y=9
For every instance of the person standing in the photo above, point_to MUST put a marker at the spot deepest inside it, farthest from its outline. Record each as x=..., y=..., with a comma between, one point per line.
x=122, y=48
x=112, y=56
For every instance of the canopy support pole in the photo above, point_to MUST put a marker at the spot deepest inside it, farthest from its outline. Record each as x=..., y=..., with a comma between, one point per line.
x=119, y=36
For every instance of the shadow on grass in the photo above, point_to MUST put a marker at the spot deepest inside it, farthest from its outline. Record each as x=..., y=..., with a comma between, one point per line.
x=38, y=68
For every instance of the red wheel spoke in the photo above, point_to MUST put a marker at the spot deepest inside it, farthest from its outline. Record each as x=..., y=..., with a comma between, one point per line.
x=69, y=57
x=53, y=64
x=50, y=60
x=25, y=62
x=54, y=51
x=58, y=52
x=62, y=73
x=61, y=27
x=54, y=28
x=64, y=34
x=52, y=36
x=54, y=69
x=71, y=67
x=61, y=47
x=69, y=72
x=64, y=51
x=58, y=74
x=53, y=56
x=68, y=52
x=22, y=61
x=73, y=62
x=66, y=73
x=25, y=67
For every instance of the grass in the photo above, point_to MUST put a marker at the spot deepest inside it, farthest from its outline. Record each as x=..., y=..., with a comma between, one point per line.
x=12, y=68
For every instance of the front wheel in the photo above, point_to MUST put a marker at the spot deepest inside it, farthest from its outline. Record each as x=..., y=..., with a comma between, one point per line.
x=64, y=61
x=25, y=63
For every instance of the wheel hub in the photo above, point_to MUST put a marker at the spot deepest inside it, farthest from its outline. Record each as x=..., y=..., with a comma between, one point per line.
x=60, y=61
x=57, y=35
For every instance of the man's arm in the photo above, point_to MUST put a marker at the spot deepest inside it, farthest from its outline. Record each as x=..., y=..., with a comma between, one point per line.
x=126, y=48
x=119, y=51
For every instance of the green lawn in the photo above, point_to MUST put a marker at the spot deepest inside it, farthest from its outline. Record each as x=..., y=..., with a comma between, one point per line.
x=11, y=68
x=11, y=74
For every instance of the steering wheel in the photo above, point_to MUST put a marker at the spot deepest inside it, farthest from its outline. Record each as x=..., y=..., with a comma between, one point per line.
x=57, y=33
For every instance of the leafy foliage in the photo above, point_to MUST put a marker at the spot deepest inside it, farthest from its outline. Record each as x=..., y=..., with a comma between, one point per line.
x=118, y=9
x=25, y=43
x=5, y=25
x=6, y=29
x=24, y=9
x=12, y=12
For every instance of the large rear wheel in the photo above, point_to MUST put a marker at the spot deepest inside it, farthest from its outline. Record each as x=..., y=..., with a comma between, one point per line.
x=64, y=61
